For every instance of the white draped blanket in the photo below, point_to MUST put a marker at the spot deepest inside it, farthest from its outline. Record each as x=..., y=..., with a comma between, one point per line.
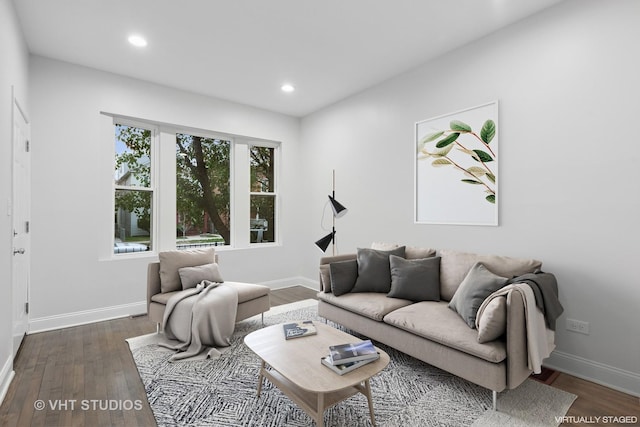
x=201, y=319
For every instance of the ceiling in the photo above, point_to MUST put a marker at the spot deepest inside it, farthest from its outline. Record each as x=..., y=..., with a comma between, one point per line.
x=244, y=50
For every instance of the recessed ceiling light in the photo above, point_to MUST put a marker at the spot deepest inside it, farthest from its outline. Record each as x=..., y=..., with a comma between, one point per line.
x=287, y=88
x=137, y=41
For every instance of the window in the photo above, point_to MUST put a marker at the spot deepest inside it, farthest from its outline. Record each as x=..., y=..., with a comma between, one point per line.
x=178, y=188
x=203, y=209
x=262, y=194
x=133, y=195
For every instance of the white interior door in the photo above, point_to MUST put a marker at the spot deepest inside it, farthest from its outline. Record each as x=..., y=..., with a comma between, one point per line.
x=21, y=197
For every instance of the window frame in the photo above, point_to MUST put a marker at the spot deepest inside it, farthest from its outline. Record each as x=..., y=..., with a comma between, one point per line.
x=164, y=183
x=275, y=193
x=153, y=160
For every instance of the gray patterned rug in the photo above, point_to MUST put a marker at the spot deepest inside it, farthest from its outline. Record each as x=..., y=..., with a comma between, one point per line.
x=408, y=392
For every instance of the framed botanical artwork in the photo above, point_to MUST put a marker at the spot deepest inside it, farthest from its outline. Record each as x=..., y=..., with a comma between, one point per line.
x=456, y=165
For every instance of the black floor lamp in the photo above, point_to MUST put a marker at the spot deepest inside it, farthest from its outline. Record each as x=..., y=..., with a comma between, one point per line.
x=338, y=211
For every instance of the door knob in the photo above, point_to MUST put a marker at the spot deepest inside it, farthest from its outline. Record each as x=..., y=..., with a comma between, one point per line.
x=18, y=251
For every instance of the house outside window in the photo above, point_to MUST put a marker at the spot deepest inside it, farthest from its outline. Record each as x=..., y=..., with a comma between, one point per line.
x=133, y=189
x=262, y=194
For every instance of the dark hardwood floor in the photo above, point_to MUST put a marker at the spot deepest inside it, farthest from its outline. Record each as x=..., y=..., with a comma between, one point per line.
x=85, y=376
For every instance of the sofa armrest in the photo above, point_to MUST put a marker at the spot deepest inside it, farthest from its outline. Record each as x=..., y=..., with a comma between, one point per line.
x=325, y=278
x=153, y=281
x=336, y=258
x=517, y=364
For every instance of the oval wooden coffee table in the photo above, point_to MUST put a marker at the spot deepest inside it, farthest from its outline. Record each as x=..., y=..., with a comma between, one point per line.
x=294, y=367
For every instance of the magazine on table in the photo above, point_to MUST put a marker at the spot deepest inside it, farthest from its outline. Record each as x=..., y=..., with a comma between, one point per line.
x=353, y=352
x=346, y=367
x=299, y=329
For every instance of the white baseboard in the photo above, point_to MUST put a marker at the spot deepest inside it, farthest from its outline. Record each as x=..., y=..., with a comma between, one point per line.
x=6, y=375
x=599, y=373
x=67, y=320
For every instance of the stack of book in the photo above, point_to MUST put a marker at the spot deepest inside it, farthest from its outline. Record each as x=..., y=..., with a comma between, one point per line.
x=345, y=358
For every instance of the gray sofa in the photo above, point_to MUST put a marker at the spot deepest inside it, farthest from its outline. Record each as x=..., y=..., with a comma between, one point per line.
x=430, y=330
x=252, y=298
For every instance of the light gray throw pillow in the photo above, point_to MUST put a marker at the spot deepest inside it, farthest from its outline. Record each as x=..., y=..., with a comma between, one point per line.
x=415, y=279
x=343, y=276
x=191, y=276
x=374, y=272
x=493, y=322
x=474, y=289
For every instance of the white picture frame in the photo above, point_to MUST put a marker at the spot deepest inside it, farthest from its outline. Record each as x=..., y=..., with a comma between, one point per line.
x=456, y=176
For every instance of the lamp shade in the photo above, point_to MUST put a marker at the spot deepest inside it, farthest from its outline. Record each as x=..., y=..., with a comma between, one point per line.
x=338, y=209
x=324, y=243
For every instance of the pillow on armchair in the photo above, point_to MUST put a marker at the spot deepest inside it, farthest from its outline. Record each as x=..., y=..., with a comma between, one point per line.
x=191, y=276
x=172, y=261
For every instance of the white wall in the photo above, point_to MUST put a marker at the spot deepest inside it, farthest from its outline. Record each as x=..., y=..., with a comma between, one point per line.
x=71, y=281
x=569, y=93
x=13, y=74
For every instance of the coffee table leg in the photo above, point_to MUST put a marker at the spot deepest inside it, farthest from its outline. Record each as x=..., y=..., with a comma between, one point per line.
x=260, y=377
x=320, y=411
x=367, y=388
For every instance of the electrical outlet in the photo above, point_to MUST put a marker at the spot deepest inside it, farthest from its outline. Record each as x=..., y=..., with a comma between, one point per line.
x=578, y=326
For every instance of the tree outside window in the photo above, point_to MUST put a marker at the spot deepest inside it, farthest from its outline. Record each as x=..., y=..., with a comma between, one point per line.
x=203, y=215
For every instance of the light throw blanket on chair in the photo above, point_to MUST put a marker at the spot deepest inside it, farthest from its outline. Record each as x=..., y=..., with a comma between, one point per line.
x=540, y=339
x=201, y=319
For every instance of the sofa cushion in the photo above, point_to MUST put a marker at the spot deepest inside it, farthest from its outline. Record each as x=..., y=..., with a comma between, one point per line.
x=343, y=276
x=493, y=322
x=415, y=279
x=455, y=265
x=436, y=322
x=382, y=246
x=369, y=304
x=475, y=288
x=249, y=291
x=171, y=261
x=246, y=292
x=411, y=252
x=374, y=272
x=191, y=276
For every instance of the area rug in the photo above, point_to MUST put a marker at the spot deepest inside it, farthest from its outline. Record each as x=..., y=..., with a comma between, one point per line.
x=408, y=392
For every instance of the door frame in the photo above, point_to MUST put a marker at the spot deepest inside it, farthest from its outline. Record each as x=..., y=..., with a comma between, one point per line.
x=18, y=110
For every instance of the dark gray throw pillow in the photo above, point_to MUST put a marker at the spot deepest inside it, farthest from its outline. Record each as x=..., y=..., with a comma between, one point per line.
x=374, y=272
x=478, y=284
x=343, y=276
x=415, y=279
